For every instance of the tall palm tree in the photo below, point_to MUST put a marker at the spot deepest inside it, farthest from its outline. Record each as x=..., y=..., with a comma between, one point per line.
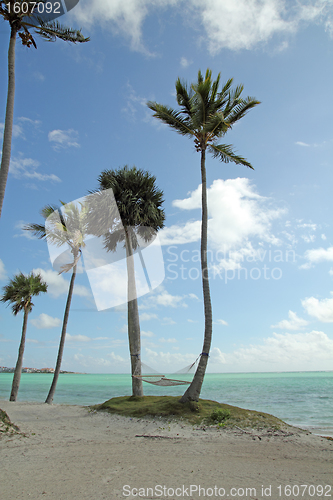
x=205, y=115
x=63, y=228
x=138, y=202
x=19, y=293
x=22, y=16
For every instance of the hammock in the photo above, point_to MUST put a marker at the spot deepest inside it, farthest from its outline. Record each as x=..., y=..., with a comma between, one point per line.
x=162, y=380
x=157, y=379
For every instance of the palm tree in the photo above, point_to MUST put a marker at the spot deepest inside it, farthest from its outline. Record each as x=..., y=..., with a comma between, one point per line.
x=19, y=293
x=22, y=16
x=67, y=228
x=205, y=115
x=138, y=202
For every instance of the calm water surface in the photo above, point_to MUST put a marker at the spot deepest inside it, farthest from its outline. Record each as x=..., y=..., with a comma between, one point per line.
x=303, y=399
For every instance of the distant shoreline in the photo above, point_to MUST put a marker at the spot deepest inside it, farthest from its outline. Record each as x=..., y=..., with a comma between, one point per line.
x=4, y=369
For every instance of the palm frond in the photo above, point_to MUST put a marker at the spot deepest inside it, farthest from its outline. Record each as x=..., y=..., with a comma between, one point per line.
x=225, y=154
x=52, y=30
x=239, y=109
x=184, y=96
x=48, y=210
x=216, y=126
x=38, y=230
x=171, y=117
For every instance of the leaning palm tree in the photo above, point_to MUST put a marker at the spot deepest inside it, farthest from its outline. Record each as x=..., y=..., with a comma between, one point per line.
x=138, y=202
x=205, y=115
x=19, y=293
x=22, y=16
x=63, y=228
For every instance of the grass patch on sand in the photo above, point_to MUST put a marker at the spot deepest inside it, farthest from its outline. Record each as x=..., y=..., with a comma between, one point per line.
x=7, y=428
x=205, y=412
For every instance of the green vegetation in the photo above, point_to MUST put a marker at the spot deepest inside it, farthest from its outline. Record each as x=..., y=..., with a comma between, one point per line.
x=195, y=413
x=6, y=426
x=219, y=416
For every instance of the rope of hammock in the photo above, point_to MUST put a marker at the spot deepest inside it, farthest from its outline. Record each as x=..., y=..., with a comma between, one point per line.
x=162, y=380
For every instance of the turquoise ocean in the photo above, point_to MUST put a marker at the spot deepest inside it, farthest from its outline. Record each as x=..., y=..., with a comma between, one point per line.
x=302, y=399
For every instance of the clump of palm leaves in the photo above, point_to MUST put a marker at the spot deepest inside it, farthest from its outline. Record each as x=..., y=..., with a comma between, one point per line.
x=19, y=293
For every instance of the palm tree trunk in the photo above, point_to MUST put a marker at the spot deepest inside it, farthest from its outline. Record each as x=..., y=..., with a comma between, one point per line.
x=133, y=319
x=19, y=362
x=194, y=389
x=7, y=134
x=50, y=396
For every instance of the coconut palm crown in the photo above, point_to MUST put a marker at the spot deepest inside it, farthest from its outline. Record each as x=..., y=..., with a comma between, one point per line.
x=138, y=202
x=205, y=115
x=22, y=16
x=19, y=293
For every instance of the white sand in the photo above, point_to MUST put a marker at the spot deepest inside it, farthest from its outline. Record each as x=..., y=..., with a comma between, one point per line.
x=71, y=453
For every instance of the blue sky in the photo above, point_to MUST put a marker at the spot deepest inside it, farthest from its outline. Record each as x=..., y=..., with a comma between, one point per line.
x=82, y=109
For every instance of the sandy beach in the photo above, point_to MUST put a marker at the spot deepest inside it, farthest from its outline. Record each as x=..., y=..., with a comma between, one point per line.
x=69, y=452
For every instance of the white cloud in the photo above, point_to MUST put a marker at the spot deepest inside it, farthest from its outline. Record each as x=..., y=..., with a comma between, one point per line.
x=91, y=362
x=147, y=316
x=124, y=18
x=62, y=139
x=45, y=321
x=24, y=119
x=162, y=297
x=168, y=321
x=81, y=291
x=318, y=255
x=319, y=309
x=236, y=214
x=170, y=340
x=167, y=300
x=185, y=63
x=170, y=361
x=3, y=274
x=17, y=131
x=244, y=24
x=77, y=338
x=216, y=356
x=27, y=168
x=293, y=323
x=23, y=234
x=280, y=352
x=308, y=238
x=38, y=76
x=57, y=285
x=303, y=144
x=133, y=103
x=180, y=235
x=147, y=334
x=220, y=322
x=285, y=352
